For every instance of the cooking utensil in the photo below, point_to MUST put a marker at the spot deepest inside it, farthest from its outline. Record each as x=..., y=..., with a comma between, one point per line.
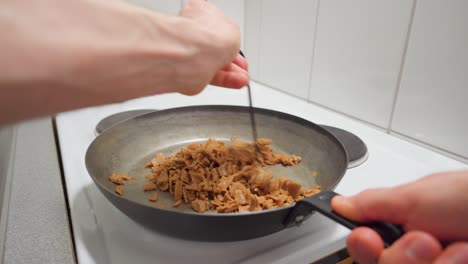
x=252, y=114
x=127, y=146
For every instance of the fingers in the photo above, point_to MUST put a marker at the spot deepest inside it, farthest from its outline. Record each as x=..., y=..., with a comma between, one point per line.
x=241, y=62
x=414, y=247
x=364, y=245
x=231, y=76
x=454, y=254
x=385, y=204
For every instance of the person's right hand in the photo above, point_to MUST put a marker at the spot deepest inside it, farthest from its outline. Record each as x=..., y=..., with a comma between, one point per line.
x=432, y=209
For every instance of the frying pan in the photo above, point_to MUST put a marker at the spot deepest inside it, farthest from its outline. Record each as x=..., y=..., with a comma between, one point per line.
x=129, y=145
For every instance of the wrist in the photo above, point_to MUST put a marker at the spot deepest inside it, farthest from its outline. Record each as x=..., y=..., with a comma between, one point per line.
x=195, y=52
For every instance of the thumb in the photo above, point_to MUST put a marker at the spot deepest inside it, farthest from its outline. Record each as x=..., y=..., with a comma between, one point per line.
x=414, y=247
x=384, y=204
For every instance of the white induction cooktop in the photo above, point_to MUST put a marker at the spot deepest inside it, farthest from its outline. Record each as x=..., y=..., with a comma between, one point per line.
x=103, y=234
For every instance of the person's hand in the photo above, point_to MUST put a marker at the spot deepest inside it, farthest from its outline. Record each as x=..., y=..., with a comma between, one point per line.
x=61, y=55
x=234, y=72
x=233, y=75
x=432, y=209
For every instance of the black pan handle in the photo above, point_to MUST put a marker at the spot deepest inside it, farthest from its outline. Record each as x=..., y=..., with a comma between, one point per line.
x=321, y=203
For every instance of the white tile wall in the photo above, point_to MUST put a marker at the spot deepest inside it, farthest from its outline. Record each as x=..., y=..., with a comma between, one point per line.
x=252, y=28
x=358, y=52
x=165, y=6
x=432, y=103
x=286, y=41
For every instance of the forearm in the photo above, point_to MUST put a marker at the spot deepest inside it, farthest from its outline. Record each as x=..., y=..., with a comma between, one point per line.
x=53, y=62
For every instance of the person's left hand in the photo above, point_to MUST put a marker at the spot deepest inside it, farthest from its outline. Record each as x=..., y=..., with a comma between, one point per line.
x=413, y=247
x=431, y=209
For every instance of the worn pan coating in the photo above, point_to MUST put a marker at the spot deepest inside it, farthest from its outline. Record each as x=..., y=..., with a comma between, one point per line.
x=126, y=147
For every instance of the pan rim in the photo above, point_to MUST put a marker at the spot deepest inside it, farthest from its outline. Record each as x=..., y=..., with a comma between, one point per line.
x=231, y=108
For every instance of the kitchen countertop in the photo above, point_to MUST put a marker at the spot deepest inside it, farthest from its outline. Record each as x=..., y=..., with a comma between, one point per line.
x=392, y=161
x=34, y=224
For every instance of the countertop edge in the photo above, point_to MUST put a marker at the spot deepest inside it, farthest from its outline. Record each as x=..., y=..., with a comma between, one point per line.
x=37, y=227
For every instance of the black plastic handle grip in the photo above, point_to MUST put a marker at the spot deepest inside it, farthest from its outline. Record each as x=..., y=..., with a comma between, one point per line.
x=321, y=203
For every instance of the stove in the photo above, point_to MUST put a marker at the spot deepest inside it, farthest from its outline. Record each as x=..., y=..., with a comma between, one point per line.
x=103, y=234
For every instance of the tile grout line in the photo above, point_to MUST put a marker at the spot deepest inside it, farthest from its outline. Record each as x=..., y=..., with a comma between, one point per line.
x=244, y=25
x=322, y=106
x=7, y=195
x=313, y=51
x=406, y=138
x=431, y=147
x=402, y=66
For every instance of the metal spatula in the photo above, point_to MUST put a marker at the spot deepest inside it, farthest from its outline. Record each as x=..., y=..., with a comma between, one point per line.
x=252, y=115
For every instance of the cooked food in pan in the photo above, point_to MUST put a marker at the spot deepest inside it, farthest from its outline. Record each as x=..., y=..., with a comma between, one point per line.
x=226, y=177
x=153, y=197
x=120, y=179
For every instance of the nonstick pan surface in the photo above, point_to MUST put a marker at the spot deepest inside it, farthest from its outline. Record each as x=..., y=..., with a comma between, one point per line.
x=129, y=145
